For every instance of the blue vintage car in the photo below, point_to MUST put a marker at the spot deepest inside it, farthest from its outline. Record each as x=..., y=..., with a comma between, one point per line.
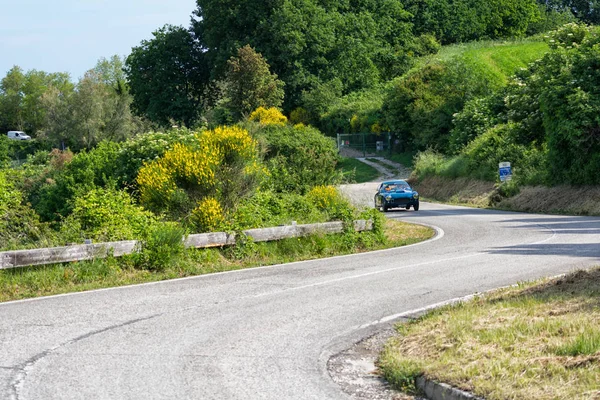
x=396, y=194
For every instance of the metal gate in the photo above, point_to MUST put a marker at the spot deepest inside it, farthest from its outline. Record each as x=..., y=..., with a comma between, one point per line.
x=364, y=144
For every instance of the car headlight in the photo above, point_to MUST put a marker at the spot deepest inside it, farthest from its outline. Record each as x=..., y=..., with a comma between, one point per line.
x=388, y=197
x=415, y=195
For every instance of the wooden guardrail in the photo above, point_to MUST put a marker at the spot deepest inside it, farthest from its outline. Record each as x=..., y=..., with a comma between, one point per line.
x=53, y=255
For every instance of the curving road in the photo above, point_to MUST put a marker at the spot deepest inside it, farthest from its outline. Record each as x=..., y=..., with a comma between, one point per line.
x=267, y=333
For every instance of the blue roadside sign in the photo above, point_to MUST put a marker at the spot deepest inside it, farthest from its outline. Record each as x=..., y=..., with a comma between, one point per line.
x=505, y=171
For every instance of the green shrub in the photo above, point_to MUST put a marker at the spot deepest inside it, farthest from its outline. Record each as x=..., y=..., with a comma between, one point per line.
x=477, y=116
x=53, y=198
x=494, y=146
x=267, y=208
x=19, y=224
x=106, y=215
x=162, y=246
x=427, y=163
x=298, y=158
x=145, y=148
x=365, y=106
x=329, y=200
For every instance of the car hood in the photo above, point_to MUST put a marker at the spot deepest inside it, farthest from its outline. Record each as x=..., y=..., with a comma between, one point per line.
x=398, y=194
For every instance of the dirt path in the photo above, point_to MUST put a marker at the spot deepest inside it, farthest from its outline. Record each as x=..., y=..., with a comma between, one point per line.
x=387, y=168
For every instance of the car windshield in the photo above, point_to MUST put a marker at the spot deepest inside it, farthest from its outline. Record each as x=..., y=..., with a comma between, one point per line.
x=394, y=187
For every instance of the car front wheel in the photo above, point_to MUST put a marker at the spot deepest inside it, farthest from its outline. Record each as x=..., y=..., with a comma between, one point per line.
x=416, y=207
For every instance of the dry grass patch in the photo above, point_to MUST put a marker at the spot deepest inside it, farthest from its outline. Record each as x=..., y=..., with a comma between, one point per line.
x=571, y=200
x=456, y=191
x=537, y=341
x=560, y=199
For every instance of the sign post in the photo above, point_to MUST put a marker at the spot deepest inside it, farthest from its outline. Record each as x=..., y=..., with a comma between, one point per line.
x=505, y=171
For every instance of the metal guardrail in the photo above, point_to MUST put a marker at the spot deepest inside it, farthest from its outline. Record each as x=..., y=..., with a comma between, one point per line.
x=54, y=255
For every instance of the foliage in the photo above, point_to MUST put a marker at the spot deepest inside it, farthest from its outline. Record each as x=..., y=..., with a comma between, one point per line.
x=162, y=246
x=208, y=216
x=271, y=116
x=477, y=116
x=585, y=10
x=250, y=84
x=106, y=215
x=60, y=114
x=19, y=224
x=300, y=116
x=144, y=148
x=548, y=124
x=309, y=43
x=365, y=105
x=550, y=18
x=419, y=108
x=494, y=146
x=51, y=194
x=327, y=198
x=453, y=21
x=298, y=158
x=220, y=163
x=168, y=76
x=267, y=208
x=21, y=98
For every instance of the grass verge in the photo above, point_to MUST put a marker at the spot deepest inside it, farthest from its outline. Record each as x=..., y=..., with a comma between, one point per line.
x=102, y=273
x=535, y=341
x=355, y=171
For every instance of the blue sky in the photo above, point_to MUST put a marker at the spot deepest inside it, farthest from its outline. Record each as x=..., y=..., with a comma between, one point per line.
x=70, y=35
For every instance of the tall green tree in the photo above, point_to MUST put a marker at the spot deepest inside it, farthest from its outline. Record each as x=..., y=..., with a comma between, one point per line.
x=585, y=10
x=250, y=84
x=464, y=20
x=21, y=98
x=168, y=77
x=11, y=99
x=308, y=43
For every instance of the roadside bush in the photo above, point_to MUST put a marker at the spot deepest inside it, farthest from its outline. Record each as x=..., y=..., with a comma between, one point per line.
x=208, y=216
x=494, y=146
x=221, y=163
x=86, y=171
x=267, y=208
x=19, y=224
x=329, y=200
x=106, y=215
x=364, y=106
x=300, y=116
x=298, y=158
x=162, y=246
x=427, y=163
x=145, y=148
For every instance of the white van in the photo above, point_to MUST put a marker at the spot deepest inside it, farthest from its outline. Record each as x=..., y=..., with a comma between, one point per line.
x=18, y=135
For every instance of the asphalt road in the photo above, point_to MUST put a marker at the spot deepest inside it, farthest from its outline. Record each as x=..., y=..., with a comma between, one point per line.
x=267, y=333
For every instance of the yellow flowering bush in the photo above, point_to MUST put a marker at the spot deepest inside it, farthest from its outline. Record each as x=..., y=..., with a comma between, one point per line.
x=221, y=163
x=271, y=116
x=208, y=216
x=324, y=197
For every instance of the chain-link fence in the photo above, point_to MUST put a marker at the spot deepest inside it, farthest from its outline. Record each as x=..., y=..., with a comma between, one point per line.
x=364, y=144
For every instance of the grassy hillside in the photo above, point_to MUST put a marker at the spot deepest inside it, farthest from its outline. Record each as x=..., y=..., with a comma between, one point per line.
x=490, y=61
x=502, y=58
